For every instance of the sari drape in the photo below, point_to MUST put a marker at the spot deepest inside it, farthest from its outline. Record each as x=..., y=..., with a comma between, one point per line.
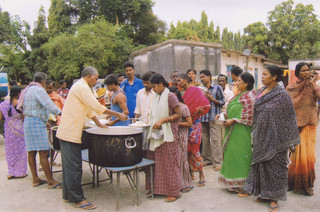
x=237, y=144
x=194, y=98
x=16, y=153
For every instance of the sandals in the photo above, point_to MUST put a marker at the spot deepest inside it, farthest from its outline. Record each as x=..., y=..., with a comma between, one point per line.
x=202, y=183
x=187, y=189
x=88, y=206
x=274, y=208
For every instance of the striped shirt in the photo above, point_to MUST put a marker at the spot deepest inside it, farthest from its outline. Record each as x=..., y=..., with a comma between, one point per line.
x=217, y=93
x=38, y=104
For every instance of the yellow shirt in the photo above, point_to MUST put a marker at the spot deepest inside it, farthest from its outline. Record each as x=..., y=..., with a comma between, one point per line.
x=80, y=104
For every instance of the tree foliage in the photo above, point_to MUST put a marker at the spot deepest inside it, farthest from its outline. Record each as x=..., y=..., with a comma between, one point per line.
x=256, y=38
x=135, y=16
x=293, y=32
x=99, y=44
x=59, y=19
x=40, y=35
x=14, y=52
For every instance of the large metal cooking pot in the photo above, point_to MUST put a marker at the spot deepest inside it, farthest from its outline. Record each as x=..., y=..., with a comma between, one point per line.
x=115, y=146
x=56, y=141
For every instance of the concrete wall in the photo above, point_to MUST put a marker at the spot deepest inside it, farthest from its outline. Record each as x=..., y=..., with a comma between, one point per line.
x=234, y=58
x=178, y=57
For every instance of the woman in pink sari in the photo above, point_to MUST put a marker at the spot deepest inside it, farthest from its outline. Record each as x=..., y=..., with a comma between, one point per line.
x=198, y=105
x=16, y=153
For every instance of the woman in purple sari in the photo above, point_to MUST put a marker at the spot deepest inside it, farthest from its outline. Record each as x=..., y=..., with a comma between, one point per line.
x=16, y=153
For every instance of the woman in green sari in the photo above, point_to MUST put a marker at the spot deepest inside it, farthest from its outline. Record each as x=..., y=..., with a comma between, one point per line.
x=237, y=140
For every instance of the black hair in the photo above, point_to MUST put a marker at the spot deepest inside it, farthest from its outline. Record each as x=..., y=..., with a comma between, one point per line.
x=111, y=79
x=138, y=76
x=61, y=82
x=275, y=71
x=194, y=71
x=298, y=68
x=247, y=78
x=236, y=70
x=12, y=83
x=146, y=76
x=157, y=79
x=206, y=72
x=128, y=64
x=121, y=75
x=222, y=75
x=14, y=92
x=184, y=76
x=49, y=81
x=175, y=90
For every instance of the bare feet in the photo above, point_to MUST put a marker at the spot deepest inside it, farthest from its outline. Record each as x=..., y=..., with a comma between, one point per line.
x=259, y=199
x=192, y=175
x=9, y=177
x=218, y=168
x=171, y=199
x=243, y=194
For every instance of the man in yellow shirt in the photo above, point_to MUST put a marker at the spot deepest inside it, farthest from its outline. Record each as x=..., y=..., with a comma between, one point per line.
x=80, y=104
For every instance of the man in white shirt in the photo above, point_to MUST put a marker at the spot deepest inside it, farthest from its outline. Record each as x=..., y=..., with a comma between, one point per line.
x=228, y=94
x=144, y=99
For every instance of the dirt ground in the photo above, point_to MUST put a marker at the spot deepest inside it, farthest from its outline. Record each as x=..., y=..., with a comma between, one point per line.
x=19, y=195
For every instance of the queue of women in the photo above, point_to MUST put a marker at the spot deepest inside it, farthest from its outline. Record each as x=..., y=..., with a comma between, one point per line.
x=262, y=128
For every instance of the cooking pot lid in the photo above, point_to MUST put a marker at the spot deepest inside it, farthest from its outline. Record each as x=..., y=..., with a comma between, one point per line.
x=114, y=130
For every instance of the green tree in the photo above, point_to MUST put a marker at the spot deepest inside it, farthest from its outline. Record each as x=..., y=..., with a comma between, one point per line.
x=59, y=19
x=217, y=35
x=225, y=39
x=238, y=42
x=5, y=30
x=37, y=59
x=136, y=16
x=13, y=47
x=99, y=44
x=293, y=32
x=256, y=38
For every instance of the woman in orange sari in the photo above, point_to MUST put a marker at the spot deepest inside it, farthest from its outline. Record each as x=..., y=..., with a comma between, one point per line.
x=304, y=93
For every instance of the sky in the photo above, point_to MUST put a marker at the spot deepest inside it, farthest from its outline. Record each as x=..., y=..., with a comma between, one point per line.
x=234, y=14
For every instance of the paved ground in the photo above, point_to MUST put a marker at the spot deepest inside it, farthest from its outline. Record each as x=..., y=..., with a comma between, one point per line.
x=19, y=195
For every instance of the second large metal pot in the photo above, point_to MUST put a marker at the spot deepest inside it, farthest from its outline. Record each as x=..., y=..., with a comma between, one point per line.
x=56, y=142
x=115, y=146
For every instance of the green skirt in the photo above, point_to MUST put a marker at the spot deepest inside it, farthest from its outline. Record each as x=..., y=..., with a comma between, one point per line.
x=237, y=157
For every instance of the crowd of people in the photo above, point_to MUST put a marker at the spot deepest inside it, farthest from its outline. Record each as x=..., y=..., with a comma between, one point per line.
x=248, y=136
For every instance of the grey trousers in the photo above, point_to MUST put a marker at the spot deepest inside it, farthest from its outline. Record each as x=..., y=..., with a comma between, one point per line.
x=71, y=172
x=211, y=143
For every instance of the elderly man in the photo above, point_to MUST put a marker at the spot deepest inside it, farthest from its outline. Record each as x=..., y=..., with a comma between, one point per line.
x=37, y=105
x=80, y=104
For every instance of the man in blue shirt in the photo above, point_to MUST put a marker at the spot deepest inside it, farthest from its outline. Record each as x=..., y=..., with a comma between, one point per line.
x=131, y=87
x=211, y=146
